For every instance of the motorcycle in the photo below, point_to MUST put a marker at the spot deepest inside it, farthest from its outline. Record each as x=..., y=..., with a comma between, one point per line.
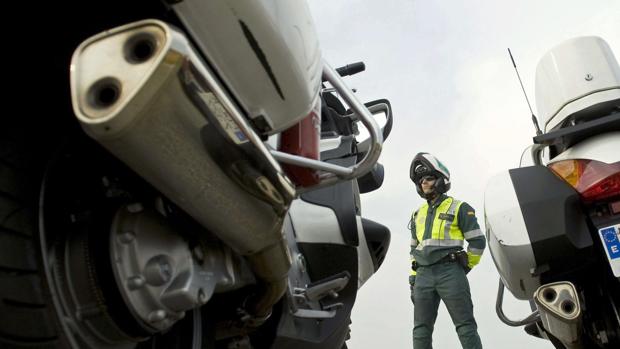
x=201, y=190
x=554, y=227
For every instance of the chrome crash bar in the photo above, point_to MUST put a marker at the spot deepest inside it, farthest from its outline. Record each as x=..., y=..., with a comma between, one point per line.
x=335, y=173
x=198, y=79
x=332, y=173
x=533, y=317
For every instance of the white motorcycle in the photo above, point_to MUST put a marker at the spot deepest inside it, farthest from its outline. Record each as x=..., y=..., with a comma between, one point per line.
x=554, y=227
x=201, y=190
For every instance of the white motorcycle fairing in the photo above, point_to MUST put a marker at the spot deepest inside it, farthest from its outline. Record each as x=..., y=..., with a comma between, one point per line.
x=266, y=51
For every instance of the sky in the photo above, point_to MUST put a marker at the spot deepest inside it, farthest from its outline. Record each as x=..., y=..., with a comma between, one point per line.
x=445, y=68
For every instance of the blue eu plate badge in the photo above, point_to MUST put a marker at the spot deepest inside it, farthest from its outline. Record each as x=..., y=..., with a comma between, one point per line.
x=610, y=236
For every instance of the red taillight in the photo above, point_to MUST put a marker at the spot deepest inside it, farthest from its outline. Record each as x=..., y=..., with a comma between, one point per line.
x=594, y=180
x=303, y=139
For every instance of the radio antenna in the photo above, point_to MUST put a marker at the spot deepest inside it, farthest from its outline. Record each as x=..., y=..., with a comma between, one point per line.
x=534, y=120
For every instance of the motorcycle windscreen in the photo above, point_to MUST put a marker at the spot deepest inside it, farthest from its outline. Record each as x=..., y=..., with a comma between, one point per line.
x=536, y=228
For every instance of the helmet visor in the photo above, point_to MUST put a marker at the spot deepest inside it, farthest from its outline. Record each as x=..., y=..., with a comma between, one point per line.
x=421, y=171
x=429, y=178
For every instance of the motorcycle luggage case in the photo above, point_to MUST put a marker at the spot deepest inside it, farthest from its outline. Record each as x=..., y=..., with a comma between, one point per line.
x=535, y=225
x=266, y=52
x=576, y=81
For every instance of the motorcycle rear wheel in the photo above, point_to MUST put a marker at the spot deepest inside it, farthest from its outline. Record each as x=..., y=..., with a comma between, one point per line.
x=31, y=296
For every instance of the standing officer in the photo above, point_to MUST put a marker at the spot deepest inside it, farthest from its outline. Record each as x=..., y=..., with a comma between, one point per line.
x=438, y=262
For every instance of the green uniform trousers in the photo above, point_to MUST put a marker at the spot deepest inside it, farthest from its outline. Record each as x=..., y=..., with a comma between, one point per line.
x=445, y=281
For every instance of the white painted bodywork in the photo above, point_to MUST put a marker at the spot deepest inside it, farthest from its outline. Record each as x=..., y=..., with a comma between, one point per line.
x=574, y=75
x=365, y=267
x=604, y=147
x=325, y=144
x=314, y=223
x=501, y=208
x=318, y=224
x=285, y=35
x=154, y=127
x=508, y=238
x=330, y=143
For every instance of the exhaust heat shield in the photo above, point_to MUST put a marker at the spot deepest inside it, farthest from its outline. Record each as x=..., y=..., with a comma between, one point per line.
x=141, y=91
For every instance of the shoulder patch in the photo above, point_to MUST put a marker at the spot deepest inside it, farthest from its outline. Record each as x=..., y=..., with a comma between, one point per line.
x=471, y=213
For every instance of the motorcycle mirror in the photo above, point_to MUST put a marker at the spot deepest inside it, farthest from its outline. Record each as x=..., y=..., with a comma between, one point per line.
x=372, y=180
x=381, y=110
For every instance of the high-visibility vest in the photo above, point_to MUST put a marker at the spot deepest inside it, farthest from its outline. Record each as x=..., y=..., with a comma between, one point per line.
x=445, y=227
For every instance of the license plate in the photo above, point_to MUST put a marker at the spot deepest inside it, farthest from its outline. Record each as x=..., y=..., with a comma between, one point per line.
x=610, y=237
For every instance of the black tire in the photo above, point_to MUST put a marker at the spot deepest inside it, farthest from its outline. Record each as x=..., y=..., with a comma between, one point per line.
x=41, y=121
x=27, y=317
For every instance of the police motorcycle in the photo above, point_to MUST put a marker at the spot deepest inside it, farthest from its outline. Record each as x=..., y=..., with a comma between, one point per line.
x=554, y=227
x=194, y=182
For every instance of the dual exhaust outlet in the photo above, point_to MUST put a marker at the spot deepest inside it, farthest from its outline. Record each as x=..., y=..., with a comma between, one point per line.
x=143, y=92
x=560, y=312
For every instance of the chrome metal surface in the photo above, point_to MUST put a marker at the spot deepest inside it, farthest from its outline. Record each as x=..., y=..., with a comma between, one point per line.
x=304, y=300
x=305, y=162
x=533, y=317
x=158, y=274
x=560, y=312
x=335, y=173
x=168, y=122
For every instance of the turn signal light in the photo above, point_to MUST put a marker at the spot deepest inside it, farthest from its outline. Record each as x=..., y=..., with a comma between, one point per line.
x=594, y=180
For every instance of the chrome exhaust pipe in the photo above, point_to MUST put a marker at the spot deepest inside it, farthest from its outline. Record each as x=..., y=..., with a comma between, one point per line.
x=560, y=312
x=142, y=92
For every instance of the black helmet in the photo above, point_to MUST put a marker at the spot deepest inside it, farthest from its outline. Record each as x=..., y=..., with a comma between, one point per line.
x=425, y=164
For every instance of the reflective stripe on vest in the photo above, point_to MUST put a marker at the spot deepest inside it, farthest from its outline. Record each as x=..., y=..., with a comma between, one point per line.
x=445, y=229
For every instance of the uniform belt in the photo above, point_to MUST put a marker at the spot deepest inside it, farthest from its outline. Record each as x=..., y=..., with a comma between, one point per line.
x=449, y=258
